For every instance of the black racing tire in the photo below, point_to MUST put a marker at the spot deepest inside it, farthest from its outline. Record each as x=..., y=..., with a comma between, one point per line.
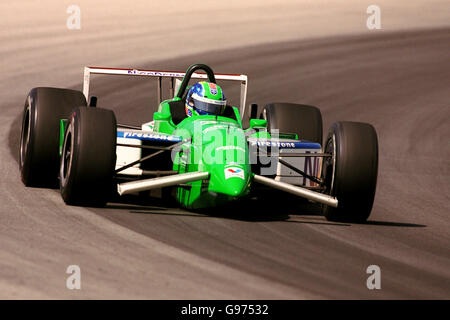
x=89, y=157
x=350, y=174
x=39, y=141
x=304, y=120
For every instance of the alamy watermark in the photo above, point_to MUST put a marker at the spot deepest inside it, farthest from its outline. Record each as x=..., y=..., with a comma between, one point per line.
x=74, y=280
x=74, y=19
x=374, y=280
x=374, y=20
x=223, y=144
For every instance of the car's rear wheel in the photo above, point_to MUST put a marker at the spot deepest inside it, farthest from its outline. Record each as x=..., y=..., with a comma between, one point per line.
x=350, y=174
x=304, y=120
x=38, y=153
x=289, y=118
x=89, y=157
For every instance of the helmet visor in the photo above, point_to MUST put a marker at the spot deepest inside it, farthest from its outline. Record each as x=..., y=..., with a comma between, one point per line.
x=208, y=106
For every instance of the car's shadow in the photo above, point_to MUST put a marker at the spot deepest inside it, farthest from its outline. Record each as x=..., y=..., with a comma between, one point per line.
x=289, y=210
x=392, y=224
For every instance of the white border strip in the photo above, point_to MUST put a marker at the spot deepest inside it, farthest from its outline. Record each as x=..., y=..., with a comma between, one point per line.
x=170, y=74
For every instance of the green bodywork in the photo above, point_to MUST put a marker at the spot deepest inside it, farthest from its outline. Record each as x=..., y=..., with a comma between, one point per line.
x=214, y=144
x=62, y=129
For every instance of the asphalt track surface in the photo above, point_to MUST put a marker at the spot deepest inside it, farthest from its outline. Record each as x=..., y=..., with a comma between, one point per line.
x=399, y=82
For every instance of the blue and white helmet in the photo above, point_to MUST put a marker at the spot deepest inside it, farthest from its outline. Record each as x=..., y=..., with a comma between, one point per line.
x=205, y=98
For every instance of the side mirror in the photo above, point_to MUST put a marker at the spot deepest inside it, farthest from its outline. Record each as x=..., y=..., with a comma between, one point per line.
x=258, y=123
x=161, y=116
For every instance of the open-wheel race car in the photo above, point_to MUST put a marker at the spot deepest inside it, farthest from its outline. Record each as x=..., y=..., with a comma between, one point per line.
x=204, y=160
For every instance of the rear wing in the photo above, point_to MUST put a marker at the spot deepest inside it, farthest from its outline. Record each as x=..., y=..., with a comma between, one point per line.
x=175, y=81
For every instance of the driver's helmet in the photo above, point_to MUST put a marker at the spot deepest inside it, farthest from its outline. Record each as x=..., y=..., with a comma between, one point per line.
x=205, y=98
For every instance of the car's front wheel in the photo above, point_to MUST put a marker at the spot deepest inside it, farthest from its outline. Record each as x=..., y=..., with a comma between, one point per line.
x=89, y=157
x=350, y=174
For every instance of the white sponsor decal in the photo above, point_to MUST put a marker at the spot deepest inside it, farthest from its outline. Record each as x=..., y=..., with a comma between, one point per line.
x=155, y=73
x=273, y=144
x=200, y=98
x=150, y=136
x=149, y=126
x=214, y=128
x=231, y=148
x=234, y=172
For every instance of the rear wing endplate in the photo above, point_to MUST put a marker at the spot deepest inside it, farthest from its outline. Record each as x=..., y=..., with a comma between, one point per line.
x=175, y=81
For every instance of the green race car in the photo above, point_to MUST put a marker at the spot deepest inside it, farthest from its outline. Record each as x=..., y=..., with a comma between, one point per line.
x=204, y=160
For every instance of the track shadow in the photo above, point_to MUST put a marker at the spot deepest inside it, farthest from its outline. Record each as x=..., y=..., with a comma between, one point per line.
x=393, y=224
x=248, y=210
x=244, y=218
x=14, y=137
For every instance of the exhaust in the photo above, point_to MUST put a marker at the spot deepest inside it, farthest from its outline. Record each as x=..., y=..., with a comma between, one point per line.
x=298, y=191
x=156, y=183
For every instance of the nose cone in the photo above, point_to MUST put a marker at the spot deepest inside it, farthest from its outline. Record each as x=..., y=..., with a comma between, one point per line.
x=224, y=154
x=230, y=180
x=235, y=182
